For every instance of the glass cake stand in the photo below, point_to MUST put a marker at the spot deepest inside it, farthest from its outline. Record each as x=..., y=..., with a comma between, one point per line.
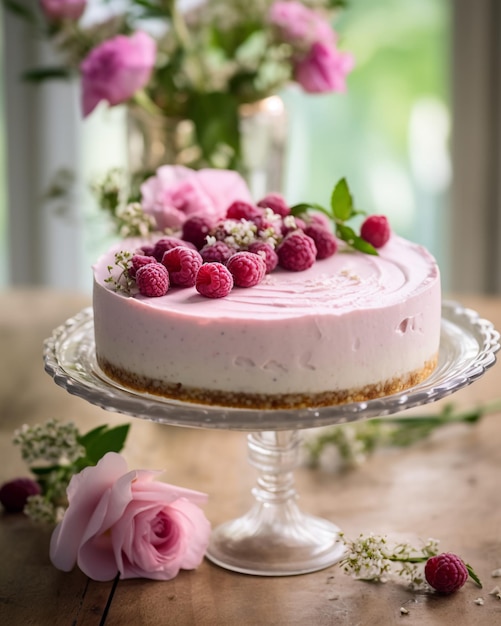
x=274, y=538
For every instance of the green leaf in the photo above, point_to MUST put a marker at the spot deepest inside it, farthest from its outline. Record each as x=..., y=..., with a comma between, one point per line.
x=216, y=119
x=342, y=201
x=21, y=11
x=42, y=471
x=46, y=73
x=347, y=234
x=103, y=439
x=473, y=575
x=303, y=207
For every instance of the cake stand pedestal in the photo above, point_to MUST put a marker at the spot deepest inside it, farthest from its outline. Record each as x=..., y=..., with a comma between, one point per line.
x=274, y=538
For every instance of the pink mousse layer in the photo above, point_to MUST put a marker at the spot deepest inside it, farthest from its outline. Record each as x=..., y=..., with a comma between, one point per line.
x=349, y=321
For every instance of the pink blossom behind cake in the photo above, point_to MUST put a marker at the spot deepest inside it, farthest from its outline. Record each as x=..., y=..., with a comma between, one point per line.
x=177, y=192
x=116, y=69
x=55, y=10
x=323, y=69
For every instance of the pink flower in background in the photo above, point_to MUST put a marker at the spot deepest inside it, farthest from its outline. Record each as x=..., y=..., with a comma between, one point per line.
x=299, y=25
x=56, y=10
x=126, y=522
x=323, y=69
x=114, y=70
x=177, y=192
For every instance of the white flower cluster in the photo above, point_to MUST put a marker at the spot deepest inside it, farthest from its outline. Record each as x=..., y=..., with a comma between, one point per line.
x=371, y=558
x=52, y=442
x=133, y=221
x=41, y=510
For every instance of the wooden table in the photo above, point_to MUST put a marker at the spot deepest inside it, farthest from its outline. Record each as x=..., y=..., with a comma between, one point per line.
x=447, y=487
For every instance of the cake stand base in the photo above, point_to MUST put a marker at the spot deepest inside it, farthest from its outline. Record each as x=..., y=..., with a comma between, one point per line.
x=275, y=538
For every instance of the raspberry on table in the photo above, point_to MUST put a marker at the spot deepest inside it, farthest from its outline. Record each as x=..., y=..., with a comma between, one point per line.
x=276, y=203
x=167, y=243
x=182, y=264
x=445, y=572
x=137, y=261
x=325, y=240
x=217, y=252
x=214, y=280
x=247, y=269
x=195, y=230
x=297, y=252
x=267, y=252
x=242, y=210
x=375, y=230
x=15, y=493
x=152, y=280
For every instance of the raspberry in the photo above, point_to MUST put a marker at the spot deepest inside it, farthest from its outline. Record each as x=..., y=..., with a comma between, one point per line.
x=182, y=265
x=242, y=210
x=14, y=493
x=297, y=252
x=214, y=280
x=375, y=230
x=137, y=261
x=196, y=229
x=152, y=280
x=167, y=243
x=445, y=572
x=266, y=251
x=247, y=269
x=217, y=252
x=324, y=240
x=276, y=203
x=320, y=219
x=146, y=250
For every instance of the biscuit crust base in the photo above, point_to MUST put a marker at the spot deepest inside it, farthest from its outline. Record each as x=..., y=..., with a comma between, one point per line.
x=242, y=400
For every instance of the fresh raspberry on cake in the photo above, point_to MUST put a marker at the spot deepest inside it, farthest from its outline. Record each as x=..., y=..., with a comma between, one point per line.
x=182, y=264
x=137, y=261
x=267, y=252
x=152, y=280
x=445, y=572
x=217, y=252
x=376, y=230
x=297, y=252
x=242, y=210
x=214, y=280
x=325, y=241
x=196, y=229
x=167, y=243
x=276, y=203
x=147, y=250
x=247, y=269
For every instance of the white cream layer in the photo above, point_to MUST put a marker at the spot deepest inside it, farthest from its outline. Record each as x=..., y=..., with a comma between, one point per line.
x=349, y=321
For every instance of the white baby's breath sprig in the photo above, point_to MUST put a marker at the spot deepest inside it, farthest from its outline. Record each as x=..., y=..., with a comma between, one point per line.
x=51, y=443
x=372, y=558
x=132, y=221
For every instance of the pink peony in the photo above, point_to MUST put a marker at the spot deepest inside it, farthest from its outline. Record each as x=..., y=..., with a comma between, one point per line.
x=323, y=69
x=116, y=69
x=299, y=25
x=177, y=192
x=125, y=522
x=55, y=10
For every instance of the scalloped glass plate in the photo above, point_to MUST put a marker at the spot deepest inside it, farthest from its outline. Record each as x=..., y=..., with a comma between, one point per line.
x=467, y=349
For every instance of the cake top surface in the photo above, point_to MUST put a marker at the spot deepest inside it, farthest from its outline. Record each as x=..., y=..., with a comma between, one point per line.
x=347, y=281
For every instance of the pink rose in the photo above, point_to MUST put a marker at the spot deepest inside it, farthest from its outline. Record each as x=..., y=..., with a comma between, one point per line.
x=125, y=522
x=323, y=69
x=299, y=25
x=116, y=69
x=56, y=10
x=177, y=192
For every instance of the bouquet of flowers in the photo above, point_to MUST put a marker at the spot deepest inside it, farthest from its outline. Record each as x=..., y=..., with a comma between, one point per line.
x=193, y=60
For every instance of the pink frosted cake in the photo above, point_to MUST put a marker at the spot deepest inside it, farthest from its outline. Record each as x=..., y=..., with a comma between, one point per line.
x=352, y=327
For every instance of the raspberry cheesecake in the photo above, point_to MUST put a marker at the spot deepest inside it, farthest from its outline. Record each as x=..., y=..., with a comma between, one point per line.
x=272, y=311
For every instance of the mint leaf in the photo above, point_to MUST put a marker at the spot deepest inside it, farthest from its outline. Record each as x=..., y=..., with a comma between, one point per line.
x=342, y=201
x=347, y=234
x=473, y=575
x=103, y=439
x=299, y=209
